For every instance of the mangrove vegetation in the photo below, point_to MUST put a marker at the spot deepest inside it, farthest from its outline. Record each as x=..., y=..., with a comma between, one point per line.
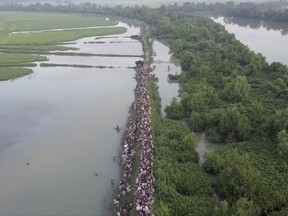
x=228, y=91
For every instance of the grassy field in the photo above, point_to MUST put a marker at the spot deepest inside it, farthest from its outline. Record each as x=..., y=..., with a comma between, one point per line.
x=56, y=37
x=11, y=22
x=13, y=73
x=15, y=59
x=23, y=21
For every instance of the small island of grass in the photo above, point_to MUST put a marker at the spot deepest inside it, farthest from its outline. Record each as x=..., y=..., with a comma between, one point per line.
x=13, y=73
x=23, y=33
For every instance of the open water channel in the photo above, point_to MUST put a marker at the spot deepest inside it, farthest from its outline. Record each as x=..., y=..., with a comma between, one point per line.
x=60, y=121
x=265, y=37
x=57, y=130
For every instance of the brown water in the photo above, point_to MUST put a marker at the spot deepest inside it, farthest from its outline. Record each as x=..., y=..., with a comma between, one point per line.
x=61, y=121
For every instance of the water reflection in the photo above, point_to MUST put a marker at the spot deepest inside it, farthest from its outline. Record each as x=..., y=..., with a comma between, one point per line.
x=269, y=39
x=203, y=146
x=256, y=24
x=61, y=122
x=163, y=65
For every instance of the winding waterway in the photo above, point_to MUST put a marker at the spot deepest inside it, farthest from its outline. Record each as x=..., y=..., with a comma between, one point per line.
x=57, y=130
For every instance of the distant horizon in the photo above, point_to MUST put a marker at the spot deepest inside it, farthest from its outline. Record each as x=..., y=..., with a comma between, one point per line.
x=121, y=1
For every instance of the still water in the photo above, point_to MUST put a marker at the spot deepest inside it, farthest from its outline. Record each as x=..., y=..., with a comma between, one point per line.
x=164, y=65
x=57, y=131
x=268, y=38
x=265, y=37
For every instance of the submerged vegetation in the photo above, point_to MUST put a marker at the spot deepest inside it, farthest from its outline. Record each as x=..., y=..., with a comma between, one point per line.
x=42, y=40
x=235, y=96
x=25, y=33
x=181, y=186
x=11, y=65
x=18, y=59
x=13, y=73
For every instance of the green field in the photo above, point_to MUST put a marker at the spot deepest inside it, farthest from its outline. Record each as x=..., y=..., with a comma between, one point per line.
x=55, y=37
x=23, y=42
x=14, y=59
x=23, y=21
x=13, y=73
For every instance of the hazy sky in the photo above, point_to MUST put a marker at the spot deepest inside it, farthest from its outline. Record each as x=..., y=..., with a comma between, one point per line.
x=120, y=1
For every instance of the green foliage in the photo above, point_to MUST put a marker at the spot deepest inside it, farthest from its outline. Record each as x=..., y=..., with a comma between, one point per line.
x=193, y=206
x=54, y=37
x=175, y=110
x=251, y=170
x=278, y=121
x=16, y=59
x=239, y=178
x=227, y=90
x=42, y=41
x=283, y=144
x=181, y=186
x=237, y=91
x=13, y=73
x=24, y=21
x=281, y=212
x=244, y=207
x=222, y=209
x=162, y=210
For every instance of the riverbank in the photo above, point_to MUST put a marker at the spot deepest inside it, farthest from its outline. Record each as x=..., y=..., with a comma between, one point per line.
x=135, y=191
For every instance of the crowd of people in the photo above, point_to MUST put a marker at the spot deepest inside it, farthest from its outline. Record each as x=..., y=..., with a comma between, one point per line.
x=139, y=132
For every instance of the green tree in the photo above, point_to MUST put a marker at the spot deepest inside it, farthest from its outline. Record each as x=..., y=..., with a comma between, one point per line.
x=240, y=177
x=204, y=98
x=175, y=110
x=245, y=207
x=238, y=90
x=222, y=209
x=283, y=144
x=162, y=209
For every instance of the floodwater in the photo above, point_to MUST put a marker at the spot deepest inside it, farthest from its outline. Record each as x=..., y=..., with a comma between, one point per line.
x=57, y=132
x=268, y=38
x=111, y=44
x=203, y=146
x=164, y=65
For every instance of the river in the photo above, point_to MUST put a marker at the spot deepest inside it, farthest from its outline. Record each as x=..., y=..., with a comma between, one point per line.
x=265, y=37
x=57, y=130
x=57, y=125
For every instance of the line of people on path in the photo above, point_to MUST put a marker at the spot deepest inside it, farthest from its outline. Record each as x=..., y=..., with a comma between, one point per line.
x=145, y=179
x=138, y=130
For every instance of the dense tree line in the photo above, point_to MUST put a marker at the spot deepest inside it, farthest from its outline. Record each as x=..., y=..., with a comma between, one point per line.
x=181, y=186
x=272, y=10
x=233, y=95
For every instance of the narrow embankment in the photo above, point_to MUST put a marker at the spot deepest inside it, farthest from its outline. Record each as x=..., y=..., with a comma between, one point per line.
x=136, y=189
